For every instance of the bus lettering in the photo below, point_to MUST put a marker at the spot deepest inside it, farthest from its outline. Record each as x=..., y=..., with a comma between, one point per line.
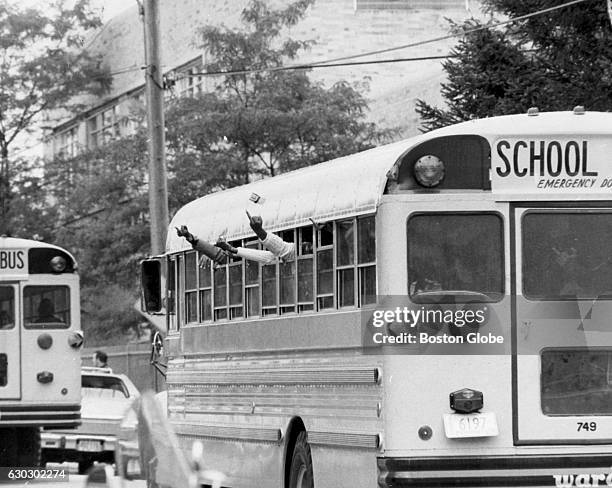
x=11, y=260
x=544, y=159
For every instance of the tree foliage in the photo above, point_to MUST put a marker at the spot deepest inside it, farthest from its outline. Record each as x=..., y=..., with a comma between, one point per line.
x=261, y=122
x=249, y=125
x=553, y=61
x=100, y=200
x=43, y=67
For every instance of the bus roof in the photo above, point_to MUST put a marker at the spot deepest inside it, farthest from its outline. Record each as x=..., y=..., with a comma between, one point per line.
x=17, y=243
x=354, y=184
x=345, y=186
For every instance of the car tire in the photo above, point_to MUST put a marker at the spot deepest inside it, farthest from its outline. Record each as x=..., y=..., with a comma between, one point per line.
x=28, y=447
x=300, y=473
x=85, y=465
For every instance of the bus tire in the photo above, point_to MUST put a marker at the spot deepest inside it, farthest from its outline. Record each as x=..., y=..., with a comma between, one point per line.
x=300, y=474
x=28, y=447
x=8, y=447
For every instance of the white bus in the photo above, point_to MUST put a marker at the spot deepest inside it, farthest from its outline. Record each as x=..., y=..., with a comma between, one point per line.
x=446, y=322
x=40, y=346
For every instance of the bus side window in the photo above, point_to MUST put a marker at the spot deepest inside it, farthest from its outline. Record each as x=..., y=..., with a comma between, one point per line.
x=325, y=267
x=191, y=287
x=251, y=283
x=305, y=263
x=366, y=259
x=345, y=262
x=220, y=292
x=205, y=287
x=171, y=293
x=235, y=285
x=287, y=283
x=268, y=289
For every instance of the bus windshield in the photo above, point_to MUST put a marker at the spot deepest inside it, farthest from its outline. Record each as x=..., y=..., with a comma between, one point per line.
x=46, y=307
x=456, y=252
x=566, y=255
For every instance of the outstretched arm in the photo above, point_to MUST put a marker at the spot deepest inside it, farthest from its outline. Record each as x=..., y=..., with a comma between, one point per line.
x=280, y=248
x=210, y=251
x=264, y=257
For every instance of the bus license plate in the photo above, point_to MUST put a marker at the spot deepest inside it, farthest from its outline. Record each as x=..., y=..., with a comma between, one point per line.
x=470, y=425
x=89, y=446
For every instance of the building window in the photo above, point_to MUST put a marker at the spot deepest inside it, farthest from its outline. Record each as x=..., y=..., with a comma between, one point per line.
x=189, y=83
x=104, y=127
x=67, y=143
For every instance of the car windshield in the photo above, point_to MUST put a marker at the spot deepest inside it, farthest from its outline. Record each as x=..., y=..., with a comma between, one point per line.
x=103, y=386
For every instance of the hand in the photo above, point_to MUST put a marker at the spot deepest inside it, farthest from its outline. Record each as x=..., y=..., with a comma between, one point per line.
x=256, y=223
x=225, y=246
x=183, y=231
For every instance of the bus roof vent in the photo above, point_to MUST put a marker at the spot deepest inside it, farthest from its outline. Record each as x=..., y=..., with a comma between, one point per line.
x=579, y=110
x=533, y=111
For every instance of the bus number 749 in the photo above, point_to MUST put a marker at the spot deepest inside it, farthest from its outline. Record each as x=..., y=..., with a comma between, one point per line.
x=587, y=426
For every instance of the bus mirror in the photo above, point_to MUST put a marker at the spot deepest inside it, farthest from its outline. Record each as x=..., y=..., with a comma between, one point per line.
x=151, y=286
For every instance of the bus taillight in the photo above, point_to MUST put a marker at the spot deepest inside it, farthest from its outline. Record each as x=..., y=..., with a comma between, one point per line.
x=45, y=341
x=466, y=400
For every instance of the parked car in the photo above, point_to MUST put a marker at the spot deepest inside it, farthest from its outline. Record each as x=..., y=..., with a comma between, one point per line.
x=106, y=397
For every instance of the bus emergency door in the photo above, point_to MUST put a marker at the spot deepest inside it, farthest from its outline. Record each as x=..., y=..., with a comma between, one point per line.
x=10, y=347
x=563, y=325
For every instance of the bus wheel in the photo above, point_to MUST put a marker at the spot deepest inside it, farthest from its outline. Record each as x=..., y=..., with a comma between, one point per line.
x=8, y=447
x=300, y=475
x=28, y=446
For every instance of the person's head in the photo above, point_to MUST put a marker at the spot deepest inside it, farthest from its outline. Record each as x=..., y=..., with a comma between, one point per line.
x=99, y=359
x=46, y=308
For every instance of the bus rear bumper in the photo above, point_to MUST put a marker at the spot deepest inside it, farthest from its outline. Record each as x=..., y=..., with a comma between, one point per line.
x=40, y=415
x=497, y=471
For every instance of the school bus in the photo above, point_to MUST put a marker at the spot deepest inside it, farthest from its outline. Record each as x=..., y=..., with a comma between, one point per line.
x=445, y=322
x=40, y=346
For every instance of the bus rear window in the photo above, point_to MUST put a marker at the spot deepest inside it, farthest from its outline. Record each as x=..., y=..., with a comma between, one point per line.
x=7, y=307
x=458, y=255
x=567, y=255
x=46, y=307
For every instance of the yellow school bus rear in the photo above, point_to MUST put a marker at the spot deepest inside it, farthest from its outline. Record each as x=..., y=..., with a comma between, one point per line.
x=40, y=345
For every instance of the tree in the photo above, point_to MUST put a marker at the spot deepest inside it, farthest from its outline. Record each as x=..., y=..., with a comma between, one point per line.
x=43, y=67
x=100, y=199
x=552, y=61
x=261, y=122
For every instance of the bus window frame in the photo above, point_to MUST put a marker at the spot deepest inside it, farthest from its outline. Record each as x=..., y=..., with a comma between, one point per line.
x=47, y=325
x=346, y=267
x=319, y=249
x=502, y=220
x=15, y=293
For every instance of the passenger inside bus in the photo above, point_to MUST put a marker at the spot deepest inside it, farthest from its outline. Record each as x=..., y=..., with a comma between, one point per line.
x=46, y=313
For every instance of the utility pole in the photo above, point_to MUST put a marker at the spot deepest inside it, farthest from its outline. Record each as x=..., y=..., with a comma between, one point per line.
x=158, y=187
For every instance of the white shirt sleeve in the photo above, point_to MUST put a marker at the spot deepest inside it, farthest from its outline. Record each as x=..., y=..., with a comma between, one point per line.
x=263, y=257
x=282, y=249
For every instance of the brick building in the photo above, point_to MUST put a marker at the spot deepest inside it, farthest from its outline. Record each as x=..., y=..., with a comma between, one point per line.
x=339, y=27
